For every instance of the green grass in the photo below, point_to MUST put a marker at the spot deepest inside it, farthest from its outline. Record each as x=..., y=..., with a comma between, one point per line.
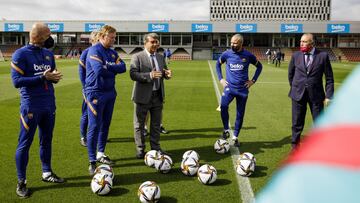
x=189, y=115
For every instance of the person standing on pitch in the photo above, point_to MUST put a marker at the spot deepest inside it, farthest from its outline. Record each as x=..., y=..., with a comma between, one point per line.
x=34, y=72
x=147, y=70
x=306, y=70
x=237, y=83
x=82, y=74
x=167, y=55
x=102, y=65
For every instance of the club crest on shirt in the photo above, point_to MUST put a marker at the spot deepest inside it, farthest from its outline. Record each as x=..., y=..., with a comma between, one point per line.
x=95, y=101
x=47, y=58
x=243, y=60
x=113, y=56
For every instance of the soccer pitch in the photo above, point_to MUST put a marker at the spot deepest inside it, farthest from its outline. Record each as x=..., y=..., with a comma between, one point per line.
x=189, y=115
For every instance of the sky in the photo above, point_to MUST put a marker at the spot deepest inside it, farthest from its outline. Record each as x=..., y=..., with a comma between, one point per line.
x=347, y=10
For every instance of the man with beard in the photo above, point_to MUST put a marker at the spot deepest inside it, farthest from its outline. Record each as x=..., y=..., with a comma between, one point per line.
x=237, y=83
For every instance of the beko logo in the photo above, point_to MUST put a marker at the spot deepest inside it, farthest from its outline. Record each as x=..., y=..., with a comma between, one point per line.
x=41, y=67
x=235, y=67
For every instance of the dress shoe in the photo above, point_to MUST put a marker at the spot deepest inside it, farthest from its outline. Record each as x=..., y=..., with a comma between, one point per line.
x=140, y=155
x=164, y=152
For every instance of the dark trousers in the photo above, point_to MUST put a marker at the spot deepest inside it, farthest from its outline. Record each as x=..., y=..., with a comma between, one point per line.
x=140, y=111
x=298, y=115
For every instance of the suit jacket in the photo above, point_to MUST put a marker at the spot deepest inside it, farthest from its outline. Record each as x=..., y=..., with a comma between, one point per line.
x=312, y=79
x=140, y=68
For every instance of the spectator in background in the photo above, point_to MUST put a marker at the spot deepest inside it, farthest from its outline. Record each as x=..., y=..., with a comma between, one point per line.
x=167, y=55
x=282, y=56
x=278, y=58
x=268, y=55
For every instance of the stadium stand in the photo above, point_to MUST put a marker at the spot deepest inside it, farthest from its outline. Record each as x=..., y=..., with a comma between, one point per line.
x=351, y=54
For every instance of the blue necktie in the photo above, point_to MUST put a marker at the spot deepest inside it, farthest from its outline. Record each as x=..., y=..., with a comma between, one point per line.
x=156, y=81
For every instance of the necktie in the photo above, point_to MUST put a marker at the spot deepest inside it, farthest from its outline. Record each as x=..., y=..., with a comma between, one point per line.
x=156, y=81
x=307, y=60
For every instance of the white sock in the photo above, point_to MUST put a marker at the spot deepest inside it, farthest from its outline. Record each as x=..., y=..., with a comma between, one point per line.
x=99, y=155
x=234, y=138
x=228, y=130
x=46, y=174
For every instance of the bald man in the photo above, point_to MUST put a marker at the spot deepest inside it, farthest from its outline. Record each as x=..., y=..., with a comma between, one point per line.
x=33, y=72
x=306, y=70
x=237, y=83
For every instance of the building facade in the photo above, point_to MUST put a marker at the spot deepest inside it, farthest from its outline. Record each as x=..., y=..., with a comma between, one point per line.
x=274, y=10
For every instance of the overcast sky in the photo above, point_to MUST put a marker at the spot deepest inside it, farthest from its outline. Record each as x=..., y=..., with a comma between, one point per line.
x=134, y=10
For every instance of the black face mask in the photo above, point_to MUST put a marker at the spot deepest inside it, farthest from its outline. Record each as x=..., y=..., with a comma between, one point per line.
x=235, y=49
x=49, y=43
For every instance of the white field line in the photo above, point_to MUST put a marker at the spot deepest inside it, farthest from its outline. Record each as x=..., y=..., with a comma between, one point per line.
x=246, y=192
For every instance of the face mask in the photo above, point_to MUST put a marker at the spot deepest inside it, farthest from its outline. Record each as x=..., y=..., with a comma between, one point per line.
x=49, y=43
x=305, y=49
x=235, y=49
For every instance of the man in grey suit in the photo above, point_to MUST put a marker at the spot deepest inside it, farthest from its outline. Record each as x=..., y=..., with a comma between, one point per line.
x=147, y=70
x=306, y=70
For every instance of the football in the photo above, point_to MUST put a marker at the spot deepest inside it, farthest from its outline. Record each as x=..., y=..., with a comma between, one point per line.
x=192, y=154
x=207, y=174
x=101, y=184
x=245, y=165
x=163, y=164
x=189, y=166
x=105, y=169
x=221, y=146
x=150, y=157
x=148, y=192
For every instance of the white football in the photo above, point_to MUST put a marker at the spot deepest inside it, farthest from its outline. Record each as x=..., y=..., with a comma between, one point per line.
x=221, y=146
x=192, y=154
x=245, y=165
x=248, y=155
x=150, y=157
x=189, y=166
x=105, y=169
x=207, y=174
x=101, y=184
x=148, y=192
x=164, y=163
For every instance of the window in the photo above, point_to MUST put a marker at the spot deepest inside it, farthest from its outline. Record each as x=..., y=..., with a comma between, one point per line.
x=134, y=39
x=186, y=40
x=123, y=40
x=165, y=39
x=176, y=40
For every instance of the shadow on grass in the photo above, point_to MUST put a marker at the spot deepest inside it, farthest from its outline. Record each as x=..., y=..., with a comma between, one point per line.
x=259, y=171
x=117, y=191
x=221, y=182
x=167, y=199
x=180, y=134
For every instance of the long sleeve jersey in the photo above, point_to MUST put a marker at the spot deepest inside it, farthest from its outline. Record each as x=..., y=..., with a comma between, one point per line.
x=237, y=68
x=82, y=66
x=102, y=64
x=27, y=67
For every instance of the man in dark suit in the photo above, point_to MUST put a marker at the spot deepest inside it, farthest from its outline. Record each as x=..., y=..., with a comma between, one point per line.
x=148, y=69
x=306, y=70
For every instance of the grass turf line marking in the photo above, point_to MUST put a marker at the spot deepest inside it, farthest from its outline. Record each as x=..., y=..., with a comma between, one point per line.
x=246, y=192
